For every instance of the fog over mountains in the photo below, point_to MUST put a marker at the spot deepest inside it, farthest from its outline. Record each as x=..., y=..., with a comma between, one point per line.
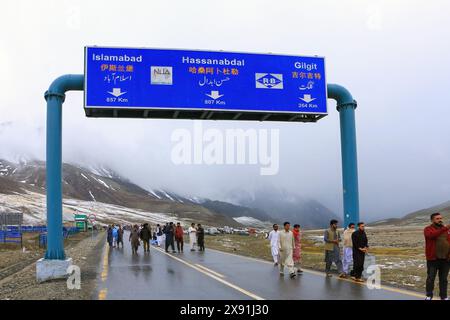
x=103, y=185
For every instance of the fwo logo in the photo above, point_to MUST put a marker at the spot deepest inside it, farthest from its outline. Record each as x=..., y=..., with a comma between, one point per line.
x=269, y=80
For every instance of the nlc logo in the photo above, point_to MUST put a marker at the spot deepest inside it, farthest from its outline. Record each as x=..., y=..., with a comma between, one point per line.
x=269, y=80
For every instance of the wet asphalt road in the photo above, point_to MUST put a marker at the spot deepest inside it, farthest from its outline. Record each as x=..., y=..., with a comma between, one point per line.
x=215, y=275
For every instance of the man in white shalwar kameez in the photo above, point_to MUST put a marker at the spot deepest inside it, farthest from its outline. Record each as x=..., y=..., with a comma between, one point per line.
x=286, y=245
x=347, y=260
x=273, y=237
x=159, y=235
x=192, y=236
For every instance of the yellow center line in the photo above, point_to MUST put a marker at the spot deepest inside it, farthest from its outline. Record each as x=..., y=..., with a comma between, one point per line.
x=102, y=294
x=229, y=284
x=387, y=288
x=104, y=275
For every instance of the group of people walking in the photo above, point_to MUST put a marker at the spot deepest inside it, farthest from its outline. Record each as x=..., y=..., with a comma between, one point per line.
x=286, y=248
x=286, y=251
x=162, y=236
x=169, y=233
x=355, y=248
x=115, y=236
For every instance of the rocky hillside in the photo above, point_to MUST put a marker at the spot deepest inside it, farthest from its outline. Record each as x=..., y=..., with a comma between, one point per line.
x=101, y=185
x=418, y=218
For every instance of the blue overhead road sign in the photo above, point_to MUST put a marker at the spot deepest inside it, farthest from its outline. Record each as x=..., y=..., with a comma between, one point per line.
x=132, y=82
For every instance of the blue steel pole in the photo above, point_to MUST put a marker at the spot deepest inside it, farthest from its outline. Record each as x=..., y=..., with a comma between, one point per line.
x=55, y=97
x=346, y=107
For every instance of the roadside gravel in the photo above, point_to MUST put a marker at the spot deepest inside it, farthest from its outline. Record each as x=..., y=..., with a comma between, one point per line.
x=86, y=254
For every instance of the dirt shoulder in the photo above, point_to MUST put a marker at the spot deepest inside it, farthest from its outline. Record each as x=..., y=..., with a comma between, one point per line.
x=86, y=253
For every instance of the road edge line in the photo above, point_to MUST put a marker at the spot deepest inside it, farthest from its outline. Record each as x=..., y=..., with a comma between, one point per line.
x=229, y=284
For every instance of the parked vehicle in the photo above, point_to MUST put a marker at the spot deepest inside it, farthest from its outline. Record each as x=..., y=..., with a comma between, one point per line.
x=212, y=231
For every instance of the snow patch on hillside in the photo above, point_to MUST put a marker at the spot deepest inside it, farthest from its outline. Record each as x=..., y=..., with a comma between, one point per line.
x=153, y=193
x=34, y=207
x=251, y=222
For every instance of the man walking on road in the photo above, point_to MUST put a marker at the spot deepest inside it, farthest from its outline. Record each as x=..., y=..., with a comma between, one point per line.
x=109, y=236
x=179, y=234
x=360, y=248
x=192, y=236
x=145, y=234
x=297, y=254
x=115, y=235
x=170, y=232
x=286, y=246
x=437, y=251
x=348, y=248
x=200, y=237
x=119, y=236
x=274, y=238
x=332, y=237
x=134, y=239
x=159, y=234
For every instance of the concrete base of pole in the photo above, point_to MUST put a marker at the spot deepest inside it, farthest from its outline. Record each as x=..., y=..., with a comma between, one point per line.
x=47, y=269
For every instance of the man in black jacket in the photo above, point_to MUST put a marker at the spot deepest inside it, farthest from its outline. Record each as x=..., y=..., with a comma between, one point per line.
x=145, y=236
x=200, y=237
x=360, y=248
x=170, y=231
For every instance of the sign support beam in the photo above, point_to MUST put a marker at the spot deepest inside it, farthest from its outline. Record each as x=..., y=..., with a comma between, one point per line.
x=55, y=97
x=346, y=107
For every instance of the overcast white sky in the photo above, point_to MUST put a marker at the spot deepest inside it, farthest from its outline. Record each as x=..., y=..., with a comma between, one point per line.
x=392, y=56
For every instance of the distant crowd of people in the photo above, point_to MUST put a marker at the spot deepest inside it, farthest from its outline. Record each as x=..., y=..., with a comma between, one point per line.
x=286, y=251
x=162, y=236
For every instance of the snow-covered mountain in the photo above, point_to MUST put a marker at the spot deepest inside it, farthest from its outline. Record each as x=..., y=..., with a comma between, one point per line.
x=101, y=187
x=281, y=205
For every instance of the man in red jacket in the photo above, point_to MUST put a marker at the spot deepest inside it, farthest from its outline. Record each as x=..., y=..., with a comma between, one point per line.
x=437, y=251
x=179, y=233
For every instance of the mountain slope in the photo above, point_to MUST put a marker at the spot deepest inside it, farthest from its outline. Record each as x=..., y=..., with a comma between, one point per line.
x=83, y=184
x=282, y=206
x=244, y=215
x=418, y=218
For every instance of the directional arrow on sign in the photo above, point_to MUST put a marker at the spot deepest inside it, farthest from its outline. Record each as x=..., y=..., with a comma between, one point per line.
x=116, y=92
x=307, y=98
x=214, y=94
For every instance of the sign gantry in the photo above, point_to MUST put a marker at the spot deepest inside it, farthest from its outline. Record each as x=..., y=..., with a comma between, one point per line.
x=180, y=84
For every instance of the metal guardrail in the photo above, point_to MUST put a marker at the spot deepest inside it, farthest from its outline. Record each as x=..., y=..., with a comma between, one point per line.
x=13, y=234
x=26, y=228
x=11, y=237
